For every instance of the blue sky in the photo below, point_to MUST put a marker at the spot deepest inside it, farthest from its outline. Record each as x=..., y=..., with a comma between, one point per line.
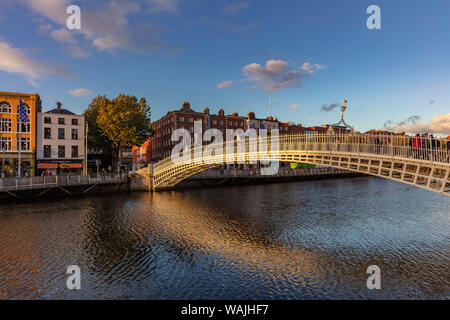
x=170, y=51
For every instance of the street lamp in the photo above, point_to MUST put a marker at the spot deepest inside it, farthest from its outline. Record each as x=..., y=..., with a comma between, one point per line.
x=342, y=121
x=3, y=163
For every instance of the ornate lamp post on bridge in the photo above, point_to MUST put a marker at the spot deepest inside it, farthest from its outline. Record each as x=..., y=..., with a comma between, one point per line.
x=342, y=121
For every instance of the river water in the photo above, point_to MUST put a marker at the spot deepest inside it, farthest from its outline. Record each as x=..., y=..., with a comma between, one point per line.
x=303, y=240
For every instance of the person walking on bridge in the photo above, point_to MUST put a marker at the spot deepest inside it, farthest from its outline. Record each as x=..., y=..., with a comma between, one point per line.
x=417, y=145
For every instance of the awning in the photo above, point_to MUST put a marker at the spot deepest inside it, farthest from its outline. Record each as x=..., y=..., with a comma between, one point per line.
x=71, y=165
x=47, y=165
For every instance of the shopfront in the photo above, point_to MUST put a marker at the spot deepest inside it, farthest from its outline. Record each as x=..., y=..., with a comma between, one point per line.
x=9, y=164
x=67, y=167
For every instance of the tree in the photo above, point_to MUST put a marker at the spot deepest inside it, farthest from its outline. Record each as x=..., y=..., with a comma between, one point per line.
x=124, y=121
x=96, y=140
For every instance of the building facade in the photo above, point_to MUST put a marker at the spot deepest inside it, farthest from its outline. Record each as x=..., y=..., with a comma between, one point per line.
x=185, y=118
x=11, y=137
x=142, y=155
x=60, y=142
x=290, y=128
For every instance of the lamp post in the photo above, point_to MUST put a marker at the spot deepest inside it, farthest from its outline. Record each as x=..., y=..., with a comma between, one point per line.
x=3, y=163
x=342, y=121
x=343, y=107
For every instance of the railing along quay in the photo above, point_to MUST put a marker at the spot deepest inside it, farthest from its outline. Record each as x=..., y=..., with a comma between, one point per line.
x=31, y=183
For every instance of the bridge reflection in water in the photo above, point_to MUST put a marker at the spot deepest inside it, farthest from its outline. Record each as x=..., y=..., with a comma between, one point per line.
x=390, y=157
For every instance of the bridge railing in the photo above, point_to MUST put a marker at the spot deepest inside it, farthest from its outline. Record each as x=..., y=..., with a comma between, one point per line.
x=434, y=150
x=29, y=183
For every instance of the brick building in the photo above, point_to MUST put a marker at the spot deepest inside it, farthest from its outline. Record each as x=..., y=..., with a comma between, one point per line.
x=290, y=128
x=142, y=155
x=160, y=145
x=185, y=118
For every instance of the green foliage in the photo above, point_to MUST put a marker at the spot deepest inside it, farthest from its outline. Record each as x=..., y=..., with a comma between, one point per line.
x=125, y=121
x=121, y=122
x=95, y=136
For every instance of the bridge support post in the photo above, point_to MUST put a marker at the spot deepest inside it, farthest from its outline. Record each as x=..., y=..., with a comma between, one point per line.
x=151, y=186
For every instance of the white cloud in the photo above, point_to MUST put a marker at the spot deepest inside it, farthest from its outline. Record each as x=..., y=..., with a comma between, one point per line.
x=310, y=68
x=236, y=8
x=80, y=92
x=225, y=84
x=169, y=6
x=15, y=60
x=54, y=10
x=294, y=107
x=45, y=28
x=440, y=124
x=77, y=52
x=63, y=35
x=108, y=27
x=277, y=75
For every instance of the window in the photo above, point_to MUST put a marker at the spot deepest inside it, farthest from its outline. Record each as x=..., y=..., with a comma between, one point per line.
x=61, y=132
x=61, y=121
x=26, y=107
x=24, y=144
x=181, y=119
x=74, y=134
x=5, y=107
x=235, y=124
x=191, y=129
x=221, y=122
x=191, y=119
x=47, y=120
x=25, y=127
x=47, y=151
x=75, y=122
x=5, y=125
x=47, y=133
x=61, y=151
x=214, y=121
x=74, y=151
x=5, y=143
x=230, y=123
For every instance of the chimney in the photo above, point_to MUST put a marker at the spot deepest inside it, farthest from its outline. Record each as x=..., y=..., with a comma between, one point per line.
x=206, y=111
x=58, y=104
x=186, y=105
x=235, y=114
x=221, y=112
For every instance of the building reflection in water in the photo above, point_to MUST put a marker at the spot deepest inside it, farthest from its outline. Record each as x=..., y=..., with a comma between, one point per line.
x=299, y=240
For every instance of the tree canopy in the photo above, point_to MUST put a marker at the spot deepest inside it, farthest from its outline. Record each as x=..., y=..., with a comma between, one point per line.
x=121, y=122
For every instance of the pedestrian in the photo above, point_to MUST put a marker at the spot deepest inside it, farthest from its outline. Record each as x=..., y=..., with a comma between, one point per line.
x=447, y=144
x=417, y=145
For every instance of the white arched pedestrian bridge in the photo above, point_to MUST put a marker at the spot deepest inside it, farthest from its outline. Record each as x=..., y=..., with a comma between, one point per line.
x=390, y=157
